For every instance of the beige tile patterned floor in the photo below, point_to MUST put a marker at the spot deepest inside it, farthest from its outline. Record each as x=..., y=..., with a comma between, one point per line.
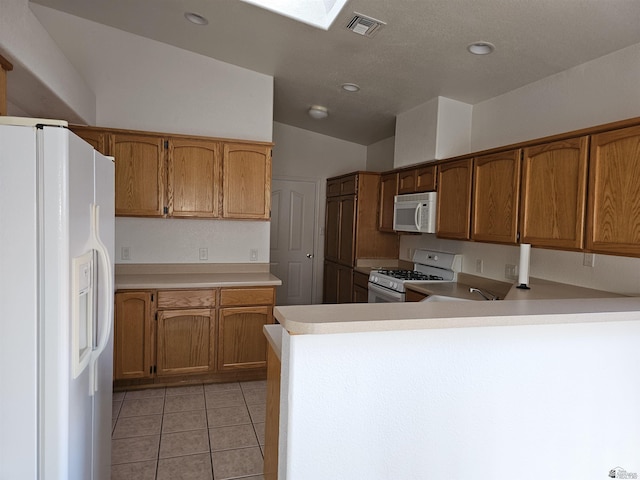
x=208, y=432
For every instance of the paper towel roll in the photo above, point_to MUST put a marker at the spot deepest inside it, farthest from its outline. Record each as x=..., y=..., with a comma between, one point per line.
x=523, y=268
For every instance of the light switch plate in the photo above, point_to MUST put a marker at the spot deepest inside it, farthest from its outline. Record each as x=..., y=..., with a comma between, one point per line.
x=589, y=260
x=203, y=253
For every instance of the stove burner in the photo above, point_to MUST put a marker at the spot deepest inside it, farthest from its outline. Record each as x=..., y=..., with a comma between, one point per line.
x=409, y=275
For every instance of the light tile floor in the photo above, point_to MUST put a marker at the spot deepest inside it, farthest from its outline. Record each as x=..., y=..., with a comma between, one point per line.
x=208, y=432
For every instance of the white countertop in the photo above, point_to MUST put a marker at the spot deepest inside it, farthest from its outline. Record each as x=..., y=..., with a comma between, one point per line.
x=159, y=276
x=372, y=317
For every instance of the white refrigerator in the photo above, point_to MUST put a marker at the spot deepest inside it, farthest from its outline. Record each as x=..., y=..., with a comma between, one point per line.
x=56, y=303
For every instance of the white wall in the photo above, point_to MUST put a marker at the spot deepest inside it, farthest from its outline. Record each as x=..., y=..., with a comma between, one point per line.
x=527, y=402
x=600, y=91
x=380, y=155
x=439, y=128
x=303, y=155
x=43, y=82
x=142, y=84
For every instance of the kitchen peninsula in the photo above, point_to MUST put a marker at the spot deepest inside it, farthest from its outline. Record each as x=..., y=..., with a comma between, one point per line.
x=459, y=389
x=186, y=323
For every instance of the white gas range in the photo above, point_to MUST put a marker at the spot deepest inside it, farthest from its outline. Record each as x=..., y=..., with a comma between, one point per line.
x=429, y=267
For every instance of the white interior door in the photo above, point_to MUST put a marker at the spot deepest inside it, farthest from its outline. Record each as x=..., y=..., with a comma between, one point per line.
x=293, y=207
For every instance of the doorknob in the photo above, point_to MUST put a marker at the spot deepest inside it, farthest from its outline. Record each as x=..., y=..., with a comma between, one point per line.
x=309, y=255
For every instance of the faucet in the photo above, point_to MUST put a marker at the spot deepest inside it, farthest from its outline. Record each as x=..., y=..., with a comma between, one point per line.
x=485, y=295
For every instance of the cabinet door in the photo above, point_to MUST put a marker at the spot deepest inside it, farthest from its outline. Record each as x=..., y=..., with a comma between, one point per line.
x=133, y=339
x=194, y=177
x=454, y=199
x=246, y=182
x=347, y=233
x=140, y=167
x=330, y=283
x=426, y=179
x=554, y=184
x=406, y=181
x=496, y=197
x=345, y=284
x=388, y=190
x=95, y=137
x=241, y=341
x=614, y=192
x=332, y=228
x=186, y=340
x=360, y=294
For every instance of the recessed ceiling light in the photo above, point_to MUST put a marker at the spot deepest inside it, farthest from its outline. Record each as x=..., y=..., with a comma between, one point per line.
x=481, y=48
x=196, y=19
x=350, y=87
x=318, y=112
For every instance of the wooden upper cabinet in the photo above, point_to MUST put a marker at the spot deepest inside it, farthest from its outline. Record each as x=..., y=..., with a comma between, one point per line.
x=496, y=197
x=388, y=190
x=426, y=179
x=553, y=199
x=613, y=222
x=193, y=179
x=140, y=167
x=96, y=138
x=407, y=181
x=454, y=199
x=246, y=181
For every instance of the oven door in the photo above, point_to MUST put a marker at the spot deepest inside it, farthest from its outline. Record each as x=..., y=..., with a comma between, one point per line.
x=378, y=294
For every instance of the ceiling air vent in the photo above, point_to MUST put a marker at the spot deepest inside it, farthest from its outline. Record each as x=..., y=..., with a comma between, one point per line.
x=363, y=25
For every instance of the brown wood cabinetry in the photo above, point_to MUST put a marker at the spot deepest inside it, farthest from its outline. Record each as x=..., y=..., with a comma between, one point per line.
x=180, y=176
x=454, y=199
x=407, y=181
x=426, y=178
x=241, y=341
x=338, y=283
x=613, y=222
x=360, y=287
x=351, y=232
x=388, y=191
x=193, y=179
x=553, y=199
x=272, y=424
x=413, y=296
x=140, y=174
x=186, y=331
x=133, y=335
x=496, y=197
x=246, y=181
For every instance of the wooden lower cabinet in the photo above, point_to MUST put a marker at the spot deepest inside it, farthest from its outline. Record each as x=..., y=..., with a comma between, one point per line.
x=243, y=313
x=338, y=283
x=178, y=335
x=133, y=335
x=186, y=340
x=360, y=287
x=241, y=342
x=272, y=425
x=413, y=296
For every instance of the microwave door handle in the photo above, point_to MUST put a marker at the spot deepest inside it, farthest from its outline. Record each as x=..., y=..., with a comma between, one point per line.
x=418, y=216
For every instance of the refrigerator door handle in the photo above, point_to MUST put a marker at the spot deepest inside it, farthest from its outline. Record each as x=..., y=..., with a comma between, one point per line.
x=106, y=282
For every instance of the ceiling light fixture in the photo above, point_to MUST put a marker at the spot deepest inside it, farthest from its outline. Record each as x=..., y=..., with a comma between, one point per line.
x=318, y=112
x=196, y=19
x=350, y=87
x=481, y=48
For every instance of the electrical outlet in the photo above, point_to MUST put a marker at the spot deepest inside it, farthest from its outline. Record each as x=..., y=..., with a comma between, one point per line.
x=253, y=255
x=125, y=253
x=589, y=260
x=479, y=265
x=511, y=271
x=203, y=253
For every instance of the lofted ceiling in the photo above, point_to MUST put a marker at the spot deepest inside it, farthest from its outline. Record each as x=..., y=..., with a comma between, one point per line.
x=419, y=54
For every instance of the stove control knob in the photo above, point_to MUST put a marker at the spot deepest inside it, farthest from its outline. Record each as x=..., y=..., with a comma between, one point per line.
x=394, y=284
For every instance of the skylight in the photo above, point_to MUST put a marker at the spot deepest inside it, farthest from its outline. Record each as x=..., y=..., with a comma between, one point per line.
x=317, y=13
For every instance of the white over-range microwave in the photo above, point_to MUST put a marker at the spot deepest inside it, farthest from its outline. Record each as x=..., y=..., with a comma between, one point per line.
x=415, y=212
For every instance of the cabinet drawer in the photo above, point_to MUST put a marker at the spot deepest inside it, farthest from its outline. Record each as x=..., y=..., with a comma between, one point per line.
x=247, y=296
x=186, y=298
